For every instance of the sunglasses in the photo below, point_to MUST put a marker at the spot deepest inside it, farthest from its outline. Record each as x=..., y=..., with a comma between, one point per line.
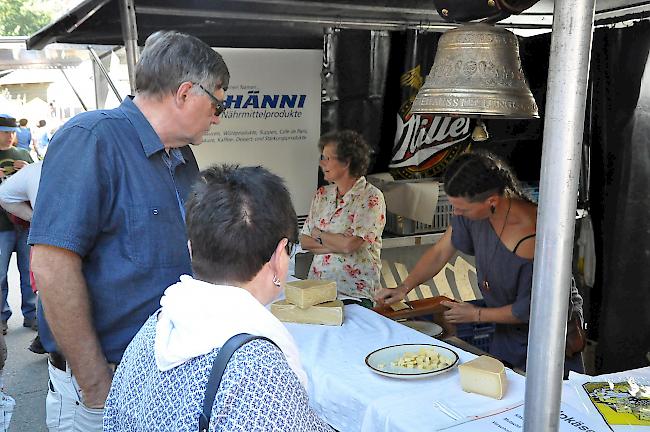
x=219, y=106
x=291, y=248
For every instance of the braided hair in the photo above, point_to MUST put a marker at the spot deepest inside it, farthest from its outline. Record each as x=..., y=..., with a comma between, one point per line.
x=475, y=176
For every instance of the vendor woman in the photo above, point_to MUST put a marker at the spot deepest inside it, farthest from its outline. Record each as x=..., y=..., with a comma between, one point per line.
x=495, y=222
x=346, y=219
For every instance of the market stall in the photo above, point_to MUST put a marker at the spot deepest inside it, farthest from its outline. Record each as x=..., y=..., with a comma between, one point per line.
x=289, y=24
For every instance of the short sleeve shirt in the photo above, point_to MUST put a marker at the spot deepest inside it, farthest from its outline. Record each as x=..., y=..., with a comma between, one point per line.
x=24, y=137
x=361, y=212
x=108, y=195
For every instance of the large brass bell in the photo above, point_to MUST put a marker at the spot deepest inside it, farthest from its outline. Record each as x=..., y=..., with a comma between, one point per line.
x=477, y=73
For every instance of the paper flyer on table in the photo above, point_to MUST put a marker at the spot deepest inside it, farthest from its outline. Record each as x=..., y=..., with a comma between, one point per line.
x=621, y=399
x=512, y=420
x=621, y=403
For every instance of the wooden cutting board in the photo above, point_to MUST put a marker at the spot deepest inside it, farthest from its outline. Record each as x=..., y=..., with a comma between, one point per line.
x=427, y=306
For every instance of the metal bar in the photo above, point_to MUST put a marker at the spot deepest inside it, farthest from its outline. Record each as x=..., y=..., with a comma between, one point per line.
x=130, y=36
x=334, y=21
x=573, y=23
x=104, y=72
x=339, y=6
x=73, y=89
x=432, y=22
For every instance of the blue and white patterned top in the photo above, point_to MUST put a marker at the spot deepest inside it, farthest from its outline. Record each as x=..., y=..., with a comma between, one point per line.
x=258, y=392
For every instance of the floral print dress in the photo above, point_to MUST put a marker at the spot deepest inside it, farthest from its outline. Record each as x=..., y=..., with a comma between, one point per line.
x=360, y=212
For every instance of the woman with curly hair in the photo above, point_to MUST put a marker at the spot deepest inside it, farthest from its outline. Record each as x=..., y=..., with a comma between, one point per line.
x=346, y=219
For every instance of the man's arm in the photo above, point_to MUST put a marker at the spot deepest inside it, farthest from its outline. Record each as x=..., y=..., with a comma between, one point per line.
x=66, y=303
x=13, y=194
x=22, y=209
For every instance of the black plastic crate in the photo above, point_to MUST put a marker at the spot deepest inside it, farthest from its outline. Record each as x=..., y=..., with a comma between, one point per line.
x=477, y=334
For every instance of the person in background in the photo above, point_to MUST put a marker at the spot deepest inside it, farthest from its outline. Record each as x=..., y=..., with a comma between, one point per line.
x=13, y=231
x=496, y=223
x=241, y=243
x=109, y=234
x=18, y=197
x=41, y=139
x=23, y=135
x=346, y=219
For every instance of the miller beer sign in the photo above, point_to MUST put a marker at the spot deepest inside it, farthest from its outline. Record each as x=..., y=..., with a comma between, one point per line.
x=425, y=144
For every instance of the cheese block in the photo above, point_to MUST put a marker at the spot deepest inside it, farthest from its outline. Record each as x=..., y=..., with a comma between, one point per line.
x=330, y=313
x=485, y=376
x=400, y=305
x=305, y=293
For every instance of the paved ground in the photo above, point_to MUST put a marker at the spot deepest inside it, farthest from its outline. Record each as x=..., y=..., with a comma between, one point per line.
x=25, y=373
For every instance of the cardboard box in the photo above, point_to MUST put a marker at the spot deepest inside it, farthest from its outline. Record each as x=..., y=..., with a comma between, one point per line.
x=413, y=206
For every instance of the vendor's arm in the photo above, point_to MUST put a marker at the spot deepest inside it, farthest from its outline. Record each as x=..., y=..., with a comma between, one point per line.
x=461, y=312
x=323, y=243
x=513, y=313
x=307, y=242
x=63, y=291
x=317, y=241
x=433, y=260
x=336, y=243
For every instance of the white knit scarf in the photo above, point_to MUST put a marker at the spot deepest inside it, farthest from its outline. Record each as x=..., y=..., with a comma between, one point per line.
x=197, y=317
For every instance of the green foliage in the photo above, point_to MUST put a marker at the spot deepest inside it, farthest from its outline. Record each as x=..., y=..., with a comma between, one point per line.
x=17, y=18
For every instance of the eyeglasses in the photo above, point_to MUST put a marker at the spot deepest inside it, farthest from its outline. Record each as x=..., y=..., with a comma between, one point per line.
x=291, y=248
x=219, y=106
x=325, y=158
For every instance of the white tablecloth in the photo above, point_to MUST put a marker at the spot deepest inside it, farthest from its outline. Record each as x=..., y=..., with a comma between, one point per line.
x=350, y=397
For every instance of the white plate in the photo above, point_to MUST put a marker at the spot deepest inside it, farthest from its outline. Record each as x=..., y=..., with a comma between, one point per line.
x=426, y=327
x=385, y=356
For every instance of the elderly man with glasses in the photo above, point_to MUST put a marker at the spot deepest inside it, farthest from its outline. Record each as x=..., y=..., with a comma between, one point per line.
x=108, y=231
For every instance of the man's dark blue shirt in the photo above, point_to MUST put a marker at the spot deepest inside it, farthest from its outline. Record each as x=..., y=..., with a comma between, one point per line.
x=111, y=194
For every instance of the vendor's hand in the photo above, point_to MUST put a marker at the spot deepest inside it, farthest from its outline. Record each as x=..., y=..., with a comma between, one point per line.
x=18, y=164
x=315, y=233
x=460, y=312
x=390, y=295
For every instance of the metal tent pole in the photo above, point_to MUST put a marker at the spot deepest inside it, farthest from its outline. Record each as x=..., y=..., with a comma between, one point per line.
x=104, y=72
x=130, y=36
x=573, y=23
x=76, y=93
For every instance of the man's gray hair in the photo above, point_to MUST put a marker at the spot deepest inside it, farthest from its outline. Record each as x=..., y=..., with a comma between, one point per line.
x=170, y=58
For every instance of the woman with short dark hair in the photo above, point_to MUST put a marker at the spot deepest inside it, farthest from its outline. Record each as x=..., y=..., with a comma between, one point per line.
x=242, y=230
x=496, y=223
x=346, y=219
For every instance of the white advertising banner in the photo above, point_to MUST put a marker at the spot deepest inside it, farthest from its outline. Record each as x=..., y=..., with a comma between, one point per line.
x=273, y=117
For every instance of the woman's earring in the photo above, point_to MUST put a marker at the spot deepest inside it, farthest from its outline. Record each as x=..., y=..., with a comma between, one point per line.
x=276, y=281
x=492, y=208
